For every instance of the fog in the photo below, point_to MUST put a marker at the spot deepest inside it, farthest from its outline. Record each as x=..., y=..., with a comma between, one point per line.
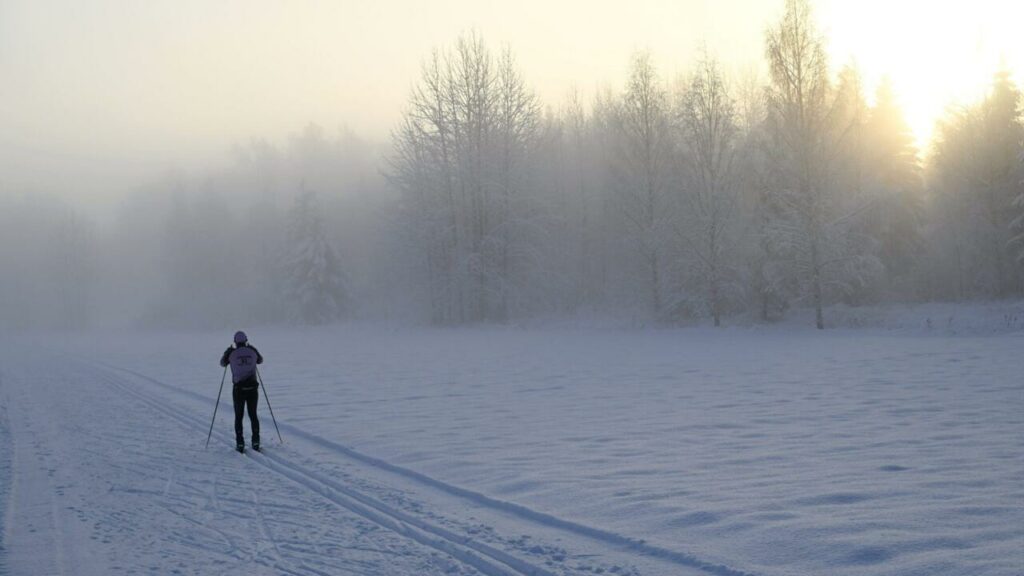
x=118, y=89
x=195, y=164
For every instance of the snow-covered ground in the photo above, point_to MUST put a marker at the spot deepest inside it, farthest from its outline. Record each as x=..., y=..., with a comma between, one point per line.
x=768, y=451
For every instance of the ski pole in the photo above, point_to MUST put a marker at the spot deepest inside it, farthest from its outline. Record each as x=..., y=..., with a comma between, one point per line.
x=215, y=406
x=260, y=378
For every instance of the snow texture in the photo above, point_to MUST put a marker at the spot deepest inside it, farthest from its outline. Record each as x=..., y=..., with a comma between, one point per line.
x=496, y=451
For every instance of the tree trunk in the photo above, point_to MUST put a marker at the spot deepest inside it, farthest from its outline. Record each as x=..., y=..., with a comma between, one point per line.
x=655, y=290
x=819, y=319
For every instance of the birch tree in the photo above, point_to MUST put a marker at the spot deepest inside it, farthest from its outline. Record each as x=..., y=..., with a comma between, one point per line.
x=642, y=163
x=808, y=123
x=461, y=158
x=516, y=115
x=709, y=134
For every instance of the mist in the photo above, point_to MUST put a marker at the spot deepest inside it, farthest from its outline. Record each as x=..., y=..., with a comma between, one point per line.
x=194, y=166
x=466, y=287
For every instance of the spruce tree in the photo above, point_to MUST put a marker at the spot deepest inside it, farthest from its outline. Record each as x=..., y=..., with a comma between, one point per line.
x=315, y=283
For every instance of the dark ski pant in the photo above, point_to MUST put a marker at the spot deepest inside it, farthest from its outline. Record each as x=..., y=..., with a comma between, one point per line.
x=243, y=398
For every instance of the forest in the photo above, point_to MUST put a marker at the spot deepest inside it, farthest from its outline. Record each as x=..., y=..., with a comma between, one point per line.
x=708, y=198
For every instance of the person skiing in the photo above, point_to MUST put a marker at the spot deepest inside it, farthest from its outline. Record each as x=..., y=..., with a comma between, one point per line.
x=243, y=358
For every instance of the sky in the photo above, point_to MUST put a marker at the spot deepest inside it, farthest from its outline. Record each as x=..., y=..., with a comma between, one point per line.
x=95, y=96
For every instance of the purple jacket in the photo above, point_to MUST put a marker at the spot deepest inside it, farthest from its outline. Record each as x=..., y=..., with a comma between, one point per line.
x=243, y=360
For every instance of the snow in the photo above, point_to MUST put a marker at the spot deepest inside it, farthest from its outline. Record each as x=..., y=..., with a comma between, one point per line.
x=767, y=451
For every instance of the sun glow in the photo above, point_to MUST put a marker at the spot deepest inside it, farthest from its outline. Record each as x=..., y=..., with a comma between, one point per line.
x=936, y=53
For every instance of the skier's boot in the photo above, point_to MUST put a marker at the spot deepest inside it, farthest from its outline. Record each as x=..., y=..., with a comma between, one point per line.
x=240, y=446
x=256, y=443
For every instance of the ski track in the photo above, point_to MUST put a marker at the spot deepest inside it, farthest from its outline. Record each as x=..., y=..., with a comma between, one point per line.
x=100, y=486
x=485, y=558
x=345, y=499
x=5, y=473
x=34, y=527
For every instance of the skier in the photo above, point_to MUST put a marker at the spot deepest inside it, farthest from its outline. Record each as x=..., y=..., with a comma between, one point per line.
x=243, y=358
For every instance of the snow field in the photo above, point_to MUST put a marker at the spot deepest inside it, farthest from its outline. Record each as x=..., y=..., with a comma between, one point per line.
x=5, y=472
x=550, y=451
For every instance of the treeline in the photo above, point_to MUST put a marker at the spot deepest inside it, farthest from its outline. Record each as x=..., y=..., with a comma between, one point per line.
x=282, y=233
x=716, y=198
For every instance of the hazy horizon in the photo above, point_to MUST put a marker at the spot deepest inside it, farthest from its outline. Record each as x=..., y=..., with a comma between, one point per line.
x=102, y=96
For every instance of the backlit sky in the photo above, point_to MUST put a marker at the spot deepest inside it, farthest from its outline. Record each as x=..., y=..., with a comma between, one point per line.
x=96, y=94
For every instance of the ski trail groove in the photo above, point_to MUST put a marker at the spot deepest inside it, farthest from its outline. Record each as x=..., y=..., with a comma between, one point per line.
x=486, y=559
x=34, y=527
x=281, y=563
x=606, y=537
x=6, y=475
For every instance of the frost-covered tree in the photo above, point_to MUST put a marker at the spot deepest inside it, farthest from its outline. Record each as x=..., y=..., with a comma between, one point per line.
x=558, y=233
x=315, y=285
x=48, y=262
x=1018, y=203
x=851, y=243
x=997, y=181
x=584, y=194
x=810, y=122
x=976, y=182
x=75, y=273
x=516, y=122
x=765, y=287
x=641, y=169
x=707, y=225
x=462, y=157
x=798, y=109
x=893, y=178
x=201, y=261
